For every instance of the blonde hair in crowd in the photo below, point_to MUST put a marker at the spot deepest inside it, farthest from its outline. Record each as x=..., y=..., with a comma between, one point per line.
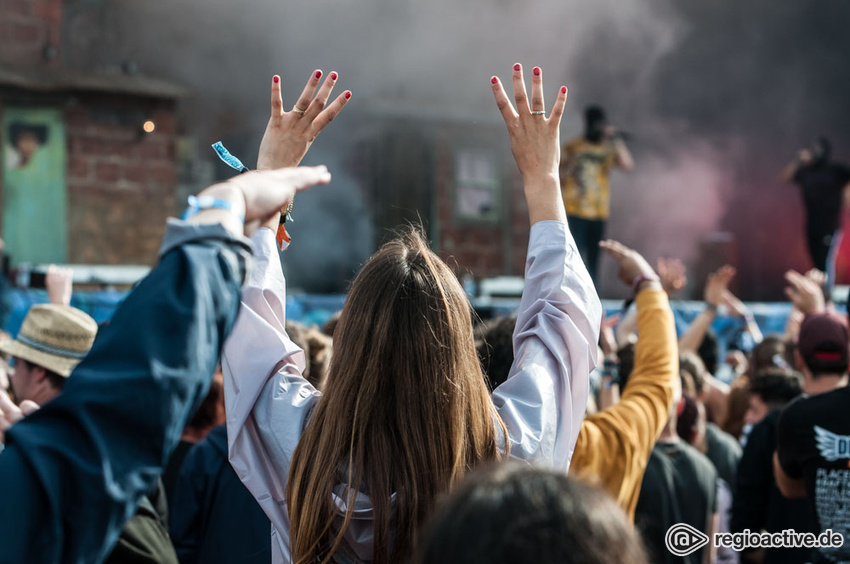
x=405, y=411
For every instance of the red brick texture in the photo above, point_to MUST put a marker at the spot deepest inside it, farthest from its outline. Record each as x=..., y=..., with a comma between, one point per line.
x=121, y=183
x=27, y=27
x=121, y=187
x=483, y=249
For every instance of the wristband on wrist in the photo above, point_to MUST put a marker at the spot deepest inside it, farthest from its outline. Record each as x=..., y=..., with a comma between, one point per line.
x=711, y=307
x=641, y=278
x=228, y=158
x=282, y=237
x=197, y=204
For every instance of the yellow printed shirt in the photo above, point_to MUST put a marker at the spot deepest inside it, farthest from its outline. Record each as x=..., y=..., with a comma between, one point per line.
x=584, y=180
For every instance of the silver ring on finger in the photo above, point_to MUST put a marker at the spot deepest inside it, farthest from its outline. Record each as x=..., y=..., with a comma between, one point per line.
x=538, y=112
x=299, y=112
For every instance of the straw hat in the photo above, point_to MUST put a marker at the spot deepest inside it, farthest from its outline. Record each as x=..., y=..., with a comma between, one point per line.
x=54, y=336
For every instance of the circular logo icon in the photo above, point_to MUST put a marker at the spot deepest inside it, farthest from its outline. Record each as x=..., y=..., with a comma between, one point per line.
x=682, y=539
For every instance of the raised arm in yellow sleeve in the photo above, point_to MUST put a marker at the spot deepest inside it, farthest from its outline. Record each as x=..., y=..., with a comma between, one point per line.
x=614, y=445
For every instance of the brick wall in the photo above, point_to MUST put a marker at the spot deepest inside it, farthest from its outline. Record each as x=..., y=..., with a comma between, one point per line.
x=27, y=27
x=121, y=184
x=484, y=249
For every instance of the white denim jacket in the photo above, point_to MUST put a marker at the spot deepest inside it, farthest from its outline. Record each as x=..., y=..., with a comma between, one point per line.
x=542, y=403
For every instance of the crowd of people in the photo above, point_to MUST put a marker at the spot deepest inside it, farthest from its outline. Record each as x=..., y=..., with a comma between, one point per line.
x=201, y=425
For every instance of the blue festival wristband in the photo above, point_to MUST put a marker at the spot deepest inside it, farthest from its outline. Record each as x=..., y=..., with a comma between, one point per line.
x=198, y=204
x=228, y=158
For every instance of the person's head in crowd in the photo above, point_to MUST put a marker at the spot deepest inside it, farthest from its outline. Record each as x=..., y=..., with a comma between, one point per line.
x=317, y=348
x=689, y=388
x=737, y=361
x=737, y=404
x=405, y=387
x=669, y=432
x=772, y=352
x=297, y=333
x=821, y=151
x=595, y=122
x=209, y=415
x=330, y=325
x=691, y=422
x=709, y=352
x=496, y=350
x=321, y=352
x=52, y=341
x=692, y=364
x=823, y=349
x=771, y=389
x=515, y=514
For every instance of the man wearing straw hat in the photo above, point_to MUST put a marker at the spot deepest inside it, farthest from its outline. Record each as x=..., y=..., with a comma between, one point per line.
x=52, y=340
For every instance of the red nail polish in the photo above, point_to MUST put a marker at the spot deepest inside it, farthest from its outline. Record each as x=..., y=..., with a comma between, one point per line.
x=494, y=80
x=536, y=71
x=276, y=79
x=318, y=74
x=347, y=94
x=517, y=67
x=333, y=76
x=563, y=89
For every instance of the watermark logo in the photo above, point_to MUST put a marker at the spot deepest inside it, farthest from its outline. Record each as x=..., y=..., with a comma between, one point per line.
x=682, y=539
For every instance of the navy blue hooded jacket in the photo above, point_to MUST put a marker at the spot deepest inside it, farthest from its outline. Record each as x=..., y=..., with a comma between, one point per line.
x=73, y=473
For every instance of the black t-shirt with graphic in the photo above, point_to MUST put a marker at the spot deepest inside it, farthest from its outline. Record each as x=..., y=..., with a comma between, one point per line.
x=813, y=438
x=822, y=185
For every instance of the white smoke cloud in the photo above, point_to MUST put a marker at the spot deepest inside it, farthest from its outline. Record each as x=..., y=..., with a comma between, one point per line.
x=439, y=55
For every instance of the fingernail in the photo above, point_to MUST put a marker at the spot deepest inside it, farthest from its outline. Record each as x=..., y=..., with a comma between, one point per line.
x=318, y=74
x=536, y=71
x=517, y=67
x=494, y=80
x=563, y=89
x=276, y=79
x=347, y=94
x=333, y=76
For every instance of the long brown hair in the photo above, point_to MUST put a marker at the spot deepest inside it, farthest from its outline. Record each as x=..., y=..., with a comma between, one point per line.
x=406, y=409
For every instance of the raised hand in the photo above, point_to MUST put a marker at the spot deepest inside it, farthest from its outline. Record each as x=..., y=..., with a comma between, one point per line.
x=259, y=195
x=11, y=413
x=819, y=277
x=607, y=336
x=632, y=264
x=289, y=134
x=534, y=142
x=717, y=284
x=673, y=274
x=60, y=284
x=805, y=294
x=268, y=191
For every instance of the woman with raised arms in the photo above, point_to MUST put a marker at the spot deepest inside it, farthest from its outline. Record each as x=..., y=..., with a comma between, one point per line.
x=351, y=472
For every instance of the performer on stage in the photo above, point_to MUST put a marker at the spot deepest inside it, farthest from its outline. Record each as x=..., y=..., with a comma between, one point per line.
x=823, y=184
x=585, y=165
